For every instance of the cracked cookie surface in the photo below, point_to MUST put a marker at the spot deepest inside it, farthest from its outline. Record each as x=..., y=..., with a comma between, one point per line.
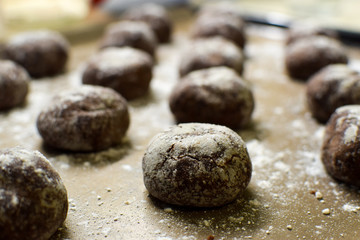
x=198, y=165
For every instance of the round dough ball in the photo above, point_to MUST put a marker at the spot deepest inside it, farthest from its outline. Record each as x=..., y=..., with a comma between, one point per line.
x=131, y=34
x=33, y=198
x=214, y=95
x=90, y=118
x=197, y=165
x=333, y=86
x=306, y=56
x=304, y=30
x=156, y=16
x=213, y=23
x=42, y=53
x=14, y=84
x=126, y=70
x=211, y=52
x=340, y=151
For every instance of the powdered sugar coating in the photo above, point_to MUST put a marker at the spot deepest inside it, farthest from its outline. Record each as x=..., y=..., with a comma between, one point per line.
x=211, y=52
x=33, y=199
x=194, y=164
x=340, y=153
x=89, y=118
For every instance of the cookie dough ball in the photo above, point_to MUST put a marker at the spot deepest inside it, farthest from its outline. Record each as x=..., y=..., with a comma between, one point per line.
x=304, y=30
x=126, y=70
x=197, y=165
x=33, y=198
x=306, y=56
x=211, y=52
x=14, y=84
x=213, y=23
x=90, y=118
x=333, y=86
x=214, y=95
x=156, y=16
x=131, y=34
x=340, y=151
x=42, y=53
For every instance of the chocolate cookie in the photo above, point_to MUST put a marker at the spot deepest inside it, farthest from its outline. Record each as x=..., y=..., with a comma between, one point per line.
x=333, y=86
x=341, y=147
x=131, y=34
x=216, y=23
x=304, y=30
x=14, y=84
x=41, y=53
x=211, y=52
x=214, y=95
x=126, y=70
x=156, y=16
x=33, y=198
x=197, y=165
x=90, y=118
x=306, y=56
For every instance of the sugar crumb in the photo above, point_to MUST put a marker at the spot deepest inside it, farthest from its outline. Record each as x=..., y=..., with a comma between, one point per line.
x=326, y=211
x=168, y=210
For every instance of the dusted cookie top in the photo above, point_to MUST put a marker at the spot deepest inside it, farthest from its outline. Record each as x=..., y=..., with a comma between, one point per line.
x=132, y=34
x=89, y=118
x=211, y=52
x=126, y=70
x=33, y=199
x=306, y=56
x=14, y=84
x=156, y=16
x=340, y=152
x=42, y=53
x=215, y=95
x=333, y=86
x=199, y=165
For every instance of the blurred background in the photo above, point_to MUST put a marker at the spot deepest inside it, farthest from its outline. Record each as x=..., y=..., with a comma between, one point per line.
x=75, y=15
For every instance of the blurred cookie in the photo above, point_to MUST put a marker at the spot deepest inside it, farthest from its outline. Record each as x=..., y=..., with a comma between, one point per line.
x=333, y=86
x=156, y=16
x=33, y=198
x=126, y=70
x=42, y=53
x=130, y=34
x=304, y=30
x=14, y=84
x=211, y=52
x=306, y=56
x=218, y=23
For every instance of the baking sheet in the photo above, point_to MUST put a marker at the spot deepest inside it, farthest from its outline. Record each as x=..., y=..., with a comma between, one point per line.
x=107, y=198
